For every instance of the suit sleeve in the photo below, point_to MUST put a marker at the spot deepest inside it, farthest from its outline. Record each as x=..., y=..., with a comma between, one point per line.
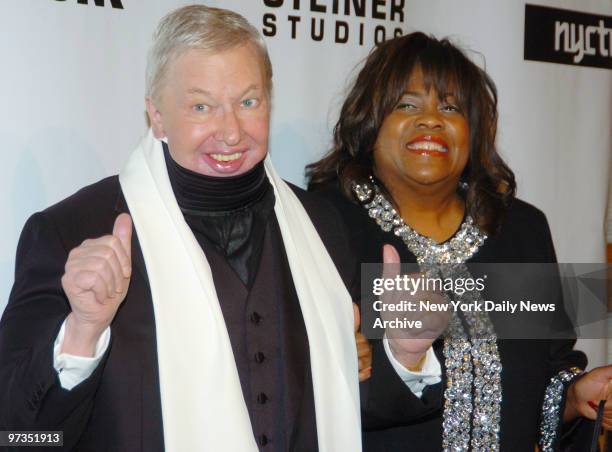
x=562, y=357
x=386, y=400
x=32, y=397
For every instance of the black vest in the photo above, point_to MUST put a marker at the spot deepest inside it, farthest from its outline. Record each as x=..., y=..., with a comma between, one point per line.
x=270, y=345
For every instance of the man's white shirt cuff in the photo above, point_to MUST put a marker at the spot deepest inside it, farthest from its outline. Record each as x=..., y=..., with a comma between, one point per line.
x=430, y=374
x=72, y=369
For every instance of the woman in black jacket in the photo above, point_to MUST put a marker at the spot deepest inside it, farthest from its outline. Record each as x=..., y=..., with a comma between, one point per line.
x=414, y=164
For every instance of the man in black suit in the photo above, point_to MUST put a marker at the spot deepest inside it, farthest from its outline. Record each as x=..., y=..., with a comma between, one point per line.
x=187, y=304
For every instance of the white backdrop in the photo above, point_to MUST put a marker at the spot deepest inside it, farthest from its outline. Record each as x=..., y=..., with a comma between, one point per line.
x=72, y=90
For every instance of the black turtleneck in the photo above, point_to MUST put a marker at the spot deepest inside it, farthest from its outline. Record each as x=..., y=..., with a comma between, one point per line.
x=230, y=212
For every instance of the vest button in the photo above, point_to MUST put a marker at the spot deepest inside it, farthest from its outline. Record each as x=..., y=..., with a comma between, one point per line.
x=255, y=318
x=262, y=398
x=263, y=440
x=259, y=357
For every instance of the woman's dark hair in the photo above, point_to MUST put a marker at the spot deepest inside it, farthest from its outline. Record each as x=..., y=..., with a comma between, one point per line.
x=377, y=90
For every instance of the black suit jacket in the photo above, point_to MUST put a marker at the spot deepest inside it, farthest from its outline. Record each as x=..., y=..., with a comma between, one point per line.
x=118, y=408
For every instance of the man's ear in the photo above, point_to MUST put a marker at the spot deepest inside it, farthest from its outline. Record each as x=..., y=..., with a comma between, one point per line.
x=155, y=118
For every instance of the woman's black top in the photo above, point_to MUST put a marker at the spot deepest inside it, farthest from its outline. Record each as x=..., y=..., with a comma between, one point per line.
x=528, y=365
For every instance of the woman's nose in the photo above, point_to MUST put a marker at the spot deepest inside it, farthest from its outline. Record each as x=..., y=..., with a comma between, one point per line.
x=430, y=119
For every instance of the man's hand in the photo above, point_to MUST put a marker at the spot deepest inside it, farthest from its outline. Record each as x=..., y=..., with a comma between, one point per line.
x=96, y=280
x=584, y=394
x=364, y=349
x=410, y=345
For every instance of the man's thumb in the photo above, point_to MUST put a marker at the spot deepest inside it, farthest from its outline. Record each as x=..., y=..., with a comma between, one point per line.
x=357, y=317
x=123, y=231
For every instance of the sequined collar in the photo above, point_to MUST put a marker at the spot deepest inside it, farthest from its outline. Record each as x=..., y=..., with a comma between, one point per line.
x=461, y=247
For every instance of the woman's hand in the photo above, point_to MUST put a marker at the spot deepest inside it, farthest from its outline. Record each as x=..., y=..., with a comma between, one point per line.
x=584, y=394
x=409, y=345
x=364, y=349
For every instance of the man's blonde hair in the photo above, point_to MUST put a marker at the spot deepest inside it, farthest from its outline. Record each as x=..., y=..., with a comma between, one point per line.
x=203, y=28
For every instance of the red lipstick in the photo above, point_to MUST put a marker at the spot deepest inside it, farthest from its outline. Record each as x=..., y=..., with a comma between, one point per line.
x=430, y=145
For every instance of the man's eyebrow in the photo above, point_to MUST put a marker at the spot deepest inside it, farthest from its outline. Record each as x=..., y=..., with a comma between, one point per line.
x=249, y=88
x=198, y=91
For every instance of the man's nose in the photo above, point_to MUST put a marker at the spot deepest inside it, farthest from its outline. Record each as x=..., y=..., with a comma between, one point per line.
x=229, y=130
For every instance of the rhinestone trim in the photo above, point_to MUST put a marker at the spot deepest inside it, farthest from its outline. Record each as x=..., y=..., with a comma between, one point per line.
x=458, y=249
x=551, y=408
x=473, y=386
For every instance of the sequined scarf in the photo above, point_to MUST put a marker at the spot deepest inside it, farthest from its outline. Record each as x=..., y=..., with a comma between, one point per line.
x=473, y=368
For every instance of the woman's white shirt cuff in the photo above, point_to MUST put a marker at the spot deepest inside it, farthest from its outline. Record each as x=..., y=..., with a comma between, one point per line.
x=430, y=373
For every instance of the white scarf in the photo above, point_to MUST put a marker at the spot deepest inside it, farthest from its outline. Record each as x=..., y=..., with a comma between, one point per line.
x=203, y=408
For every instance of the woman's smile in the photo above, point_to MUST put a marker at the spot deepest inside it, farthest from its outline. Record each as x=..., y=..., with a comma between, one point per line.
x=431, y=145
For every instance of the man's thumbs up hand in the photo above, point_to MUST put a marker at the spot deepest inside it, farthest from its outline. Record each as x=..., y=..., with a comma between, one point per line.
x=96, y=280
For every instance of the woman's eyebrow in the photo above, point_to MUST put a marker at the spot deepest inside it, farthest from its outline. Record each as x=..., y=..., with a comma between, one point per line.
x=411, y=93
